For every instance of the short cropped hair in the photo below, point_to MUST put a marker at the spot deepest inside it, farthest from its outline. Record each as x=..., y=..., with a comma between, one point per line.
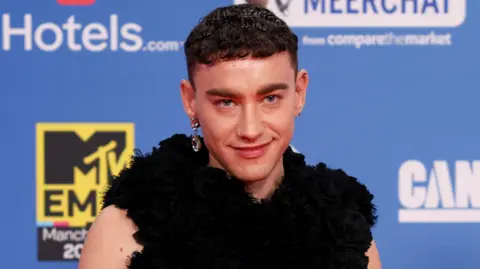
x=239, y=31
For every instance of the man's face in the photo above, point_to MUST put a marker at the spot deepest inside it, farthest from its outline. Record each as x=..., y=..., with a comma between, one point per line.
x=262, y=3
x=246, y=109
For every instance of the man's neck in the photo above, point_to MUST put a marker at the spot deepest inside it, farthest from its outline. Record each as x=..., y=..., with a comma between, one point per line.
x=264, y=188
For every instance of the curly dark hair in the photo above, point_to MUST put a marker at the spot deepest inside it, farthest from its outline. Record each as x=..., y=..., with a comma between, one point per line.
x=239, y=31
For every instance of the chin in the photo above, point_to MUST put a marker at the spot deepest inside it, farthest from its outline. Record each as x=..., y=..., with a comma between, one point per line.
x=252, y=173
x=250, y=178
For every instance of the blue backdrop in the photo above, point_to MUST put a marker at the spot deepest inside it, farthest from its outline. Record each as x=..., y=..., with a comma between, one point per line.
x=400, y=112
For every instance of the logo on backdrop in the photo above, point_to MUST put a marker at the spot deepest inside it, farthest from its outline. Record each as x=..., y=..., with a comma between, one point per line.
x=283, y=6
x=360, y=14
x=23, y=32
x=440, y=192
x=74, y=164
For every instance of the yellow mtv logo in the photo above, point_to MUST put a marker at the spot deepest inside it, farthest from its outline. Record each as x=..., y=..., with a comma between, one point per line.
x=75, y=163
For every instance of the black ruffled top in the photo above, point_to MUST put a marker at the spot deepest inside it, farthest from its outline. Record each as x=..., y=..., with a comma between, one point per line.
x=192, y=216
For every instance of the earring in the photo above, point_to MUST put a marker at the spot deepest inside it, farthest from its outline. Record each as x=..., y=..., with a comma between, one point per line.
x=196, y=143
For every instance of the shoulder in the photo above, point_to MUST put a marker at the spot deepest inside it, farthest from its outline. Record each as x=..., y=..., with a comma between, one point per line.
x=351, y=193
x=148, y=172
x=109, y=241
x=350, y=213
x=133, y=202
x=152, y=182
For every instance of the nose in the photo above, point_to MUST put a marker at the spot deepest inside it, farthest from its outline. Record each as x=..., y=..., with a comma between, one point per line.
x=250, y=126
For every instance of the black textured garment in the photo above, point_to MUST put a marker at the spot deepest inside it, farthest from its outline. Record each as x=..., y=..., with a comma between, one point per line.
x=192, y=216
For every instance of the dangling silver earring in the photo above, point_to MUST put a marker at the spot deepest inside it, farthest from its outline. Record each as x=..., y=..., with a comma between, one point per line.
x=196, y=143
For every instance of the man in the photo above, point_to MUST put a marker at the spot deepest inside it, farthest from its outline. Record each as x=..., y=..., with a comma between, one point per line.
x=239, y=197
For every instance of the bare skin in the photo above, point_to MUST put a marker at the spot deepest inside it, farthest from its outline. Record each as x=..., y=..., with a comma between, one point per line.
x=109, y=242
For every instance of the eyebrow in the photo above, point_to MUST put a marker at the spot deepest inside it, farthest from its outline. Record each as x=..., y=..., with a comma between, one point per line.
x=229, y=93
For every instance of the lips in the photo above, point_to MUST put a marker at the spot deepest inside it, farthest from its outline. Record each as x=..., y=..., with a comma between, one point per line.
x=252, y=152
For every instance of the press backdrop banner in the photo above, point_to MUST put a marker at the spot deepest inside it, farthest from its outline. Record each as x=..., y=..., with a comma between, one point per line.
x=393, y=100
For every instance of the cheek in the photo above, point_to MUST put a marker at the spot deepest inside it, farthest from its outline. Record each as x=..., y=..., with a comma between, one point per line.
x=216, y=129
x=282, y=122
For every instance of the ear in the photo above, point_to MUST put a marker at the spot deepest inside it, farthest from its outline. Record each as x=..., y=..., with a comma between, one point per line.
x=301, y=90
x=188, y=98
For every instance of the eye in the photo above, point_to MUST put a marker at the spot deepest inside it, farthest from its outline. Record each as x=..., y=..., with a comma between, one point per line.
x=224, y=103
x=272, y=98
